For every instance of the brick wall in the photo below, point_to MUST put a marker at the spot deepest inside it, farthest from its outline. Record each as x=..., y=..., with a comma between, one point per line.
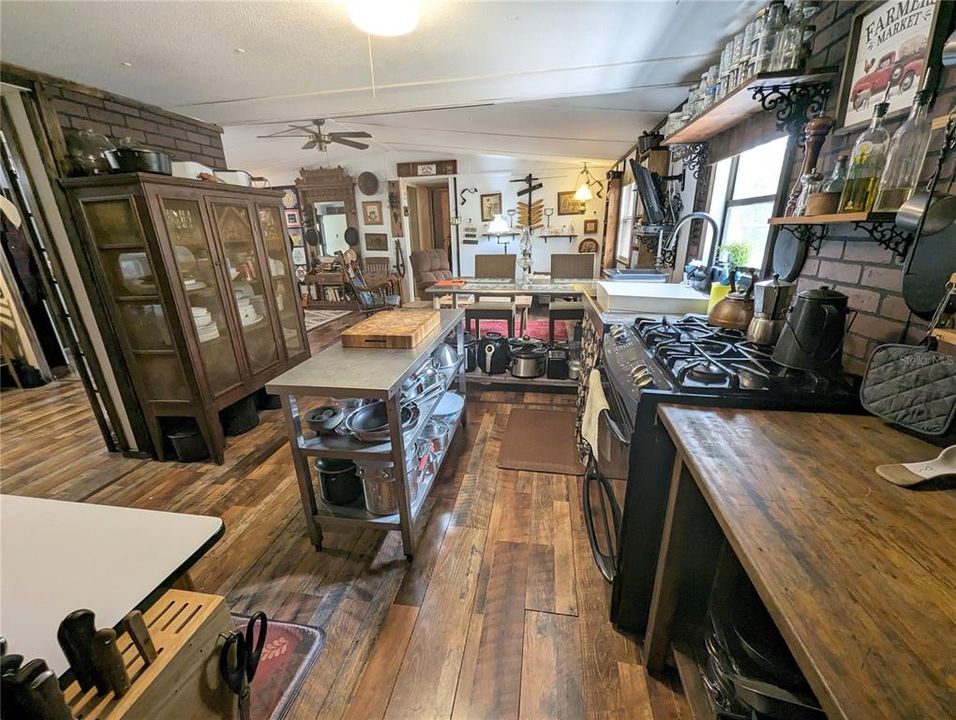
x=183, y=138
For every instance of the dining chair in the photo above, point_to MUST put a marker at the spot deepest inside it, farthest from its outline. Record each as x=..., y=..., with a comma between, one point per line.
x=572, y=266
x=493, y=266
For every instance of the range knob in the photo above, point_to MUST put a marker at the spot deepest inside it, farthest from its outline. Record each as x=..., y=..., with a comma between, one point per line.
x=639, y=371
x=617, y=330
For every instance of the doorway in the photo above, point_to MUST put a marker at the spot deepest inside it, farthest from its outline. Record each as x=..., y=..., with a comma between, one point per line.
x=429, y=216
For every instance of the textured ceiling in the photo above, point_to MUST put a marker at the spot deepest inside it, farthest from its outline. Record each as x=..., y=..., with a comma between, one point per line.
x=557, y=79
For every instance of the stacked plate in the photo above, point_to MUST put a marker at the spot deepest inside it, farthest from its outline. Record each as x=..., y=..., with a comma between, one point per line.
x=192, y=283
x=206, y=327
x=259, y=304
x=247, y=311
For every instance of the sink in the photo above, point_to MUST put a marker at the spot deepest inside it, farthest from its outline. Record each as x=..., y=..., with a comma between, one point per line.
x=635, y=274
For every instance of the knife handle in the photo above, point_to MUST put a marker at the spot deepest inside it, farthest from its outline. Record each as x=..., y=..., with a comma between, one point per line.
x=108, y=664
x=49, y=700
x=75, y=636
x=135, y=625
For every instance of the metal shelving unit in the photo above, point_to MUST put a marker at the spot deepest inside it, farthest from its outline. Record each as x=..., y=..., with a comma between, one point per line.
x=340, y=372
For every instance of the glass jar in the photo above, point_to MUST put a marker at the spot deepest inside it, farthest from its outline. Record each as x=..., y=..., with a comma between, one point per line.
x=866, y=165
x=810, y=183
x=774, y=24
x=759, y=21
x=904, y=161
x=788, y=47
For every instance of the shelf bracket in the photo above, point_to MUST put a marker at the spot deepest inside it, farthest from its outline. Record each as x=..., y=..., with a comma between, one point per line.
x=812, y=235
x=693, y=156
x=793, y=104
x=887, y=235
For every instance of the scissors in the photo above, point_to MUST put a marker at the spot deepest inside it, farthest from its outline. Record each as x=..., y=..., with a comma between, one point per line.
x=238, y=673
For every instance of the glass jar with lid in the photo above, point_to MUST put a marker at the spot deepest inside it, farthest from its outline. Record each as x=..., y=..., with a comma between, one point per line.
x=788, y=46
x=773, y=25
x=758, y=24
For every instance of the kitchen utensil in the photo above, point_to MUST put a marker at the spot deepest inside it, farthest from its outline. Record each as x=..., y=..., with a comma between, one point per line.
x=325, y=419
x=735, y=311
x=75, y=636
x=380, y=487
x=239, y=659
x=50, y=703
x=927, y=270
x=234, y=177
x=132, y=158
x=189, y=169
x=436, y=432
x=87, y=150
x=450, y=405
x=907, y=474
x=789, y=255
x=339, y=484
x=529, y=358
x=400, y=329
x=493, y=354
x=444, y=357
x=32, y=691
x=812, y=336
x=940, y=213
x=135, y=625
x=10, y=663
x=110, y=669
x=369, y=423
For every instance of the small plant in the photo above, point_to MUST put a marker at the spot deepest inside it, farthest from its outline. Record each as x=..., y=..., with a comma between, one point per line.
x=736, y=253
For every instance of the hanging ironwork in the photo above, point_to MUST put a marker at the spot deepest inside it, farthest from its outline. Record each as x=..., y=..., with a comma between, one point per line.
x=793, y=104
x=667, y=257
x=811, y=235
x=693, y=156
x=887, y=235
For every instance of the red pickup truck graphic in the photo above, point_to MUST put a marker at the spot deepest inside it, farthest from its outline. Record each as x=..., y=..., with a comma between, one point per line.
x=900, y=70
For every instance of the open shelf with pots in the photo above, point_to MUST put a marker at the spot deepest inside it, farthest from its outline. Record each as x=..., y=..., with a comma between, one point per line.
x=880, y=226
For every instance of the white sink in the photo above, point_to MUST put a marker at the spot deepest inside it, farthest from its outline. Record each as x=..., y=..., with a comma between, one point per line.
x=653, y=298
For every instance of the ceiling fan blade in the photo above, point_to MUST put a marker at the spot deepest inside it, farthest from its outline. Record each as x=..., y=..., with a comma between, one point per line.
x=350, y=143
x=360, y=134
x=311, y=144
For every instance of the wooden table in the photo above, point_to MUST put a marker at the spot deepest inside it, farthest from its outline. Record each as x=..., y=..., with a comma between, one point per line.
x=857, y=574
x=58, y=557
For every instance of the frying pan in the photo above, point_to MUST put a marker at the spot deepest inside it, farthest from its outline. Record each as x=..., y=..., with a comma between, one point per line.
x=351, y=237
x=789, y=254
x=931, y=260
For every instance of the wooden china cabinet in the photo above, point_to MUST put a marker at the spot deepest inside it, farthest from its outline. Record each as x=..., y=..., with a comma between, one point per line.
x=196, y=280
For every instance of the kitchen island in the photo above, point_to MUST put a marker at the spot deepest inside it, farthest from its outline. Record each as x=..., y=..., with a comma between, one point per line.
x=339, y=373
x=856, y=573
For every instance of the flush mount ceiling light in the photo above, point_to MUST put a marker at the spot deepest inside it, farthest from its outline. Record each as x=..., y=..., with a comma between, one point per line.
x=585, y=182
x=384, y=17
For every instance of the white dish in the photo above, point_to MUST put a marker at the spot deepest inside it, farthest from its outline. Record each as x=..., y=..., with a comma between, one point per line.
x=655, y=298
x=253, y=321
x=451, y=403
x=189, y=169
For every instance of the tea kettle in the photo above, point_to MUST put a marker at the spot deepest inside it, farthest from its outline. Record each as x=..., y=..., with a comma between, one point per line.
x=812, y=336
x=736, y=309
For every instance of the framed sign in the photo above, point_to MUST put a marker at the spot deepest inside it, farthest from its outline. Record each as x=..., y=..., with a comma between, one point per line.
x=490, y=206
x=590, y=226
x=892, y=49
x=376, y=242
x=427, y=169
x=567, y=205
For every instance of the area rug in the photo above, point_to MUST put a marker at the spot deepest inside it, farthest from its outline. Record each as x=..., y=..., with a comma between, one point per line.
x=540, y=441
x=317, y=318
x=536, y=328
x=289, y=653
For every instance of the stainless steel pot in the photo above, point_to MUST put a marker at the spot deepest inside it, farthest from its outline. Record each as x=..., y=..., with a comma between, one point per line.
x=380, y=486
x=436, y=433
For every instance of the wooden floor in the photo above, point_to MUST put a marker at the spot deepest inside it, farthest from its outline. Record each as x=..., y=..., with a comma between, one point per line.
x=502, y=614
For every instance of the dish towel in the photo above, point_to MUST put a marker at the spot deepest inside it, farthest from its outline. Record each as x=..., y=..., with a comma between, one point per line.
x=593, y=406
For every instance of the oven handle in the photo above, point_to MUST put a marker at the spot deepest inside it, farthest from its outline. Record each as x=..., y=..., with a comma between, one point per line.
x=607, y=563
x=615, y=428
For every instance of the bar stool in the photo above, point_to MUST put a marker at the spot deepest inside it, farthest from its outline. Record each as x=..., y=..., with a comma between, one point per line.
x=488, y=267
x=577, y=266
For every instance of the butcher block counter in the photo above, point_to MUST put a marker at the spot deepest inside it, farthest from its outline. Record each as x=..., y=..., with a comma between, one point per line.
x=859, y=575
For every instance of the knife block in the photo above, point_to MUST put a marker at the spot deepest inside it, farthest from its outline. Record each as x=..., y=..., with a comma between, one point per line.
x=184, y=681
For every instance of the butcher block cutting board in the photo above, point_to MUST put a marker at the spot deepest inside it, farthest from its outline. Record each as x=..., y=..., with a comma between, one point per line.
x=392, y=329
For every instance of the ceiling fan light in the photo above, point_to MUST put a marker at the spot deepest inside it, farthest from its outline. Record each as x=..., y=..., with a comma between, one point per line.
x=389, y=18
x=498, y=225
x=584, y=193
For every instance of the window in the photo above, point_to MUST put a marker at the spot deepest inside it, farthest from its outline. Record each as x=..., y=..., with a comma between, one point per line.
x=625, y=225
x=742, y=197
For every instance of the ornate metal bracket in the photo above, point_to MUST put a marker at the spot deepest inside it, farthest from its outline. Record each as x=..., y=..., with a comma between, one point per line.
x=812, y=235
x=693, y=156
x=887, y=235
x=793, y=104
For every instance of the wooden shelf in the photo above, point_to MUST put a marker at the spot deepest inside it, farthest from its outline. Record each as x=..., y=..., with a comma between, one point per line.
x=835, y=218
x=736, y=106
x=569, y=237
x=507, y=234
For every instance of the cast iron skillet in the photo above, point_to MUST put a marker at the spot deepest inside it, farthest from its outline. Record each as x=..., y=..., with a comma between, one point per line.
x=789, y=254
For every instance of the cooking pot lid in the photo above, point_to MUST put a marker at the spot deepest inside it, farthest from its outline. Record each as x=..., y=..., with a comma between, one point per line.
x=530, y=350
x=824, y=292
x=775, y=282
x=492, y=336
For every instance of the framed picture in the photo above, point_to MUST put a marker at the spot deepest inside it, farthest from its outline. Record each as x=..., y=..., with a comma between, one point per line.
x=567, y=205
x=292, y=218
x=490, y=206
x=590, y=226
x=892, y=45
x=588, y=245
x=298, y=256
x=376, y=242
x=372, y=212
x=289, y=198
x=296, y=237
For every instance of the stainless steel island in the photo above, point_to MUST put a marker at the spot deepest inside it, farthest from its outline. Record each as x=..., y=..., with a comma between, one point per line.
x=372, y=374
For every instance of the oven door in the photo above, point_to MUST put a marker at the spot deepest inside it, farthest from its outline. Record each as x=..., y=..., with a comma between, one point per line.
x=605, y=482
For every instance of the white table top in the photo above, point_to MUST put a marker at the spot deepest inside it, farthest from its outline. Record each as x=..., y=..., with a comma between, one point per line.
x=57, y=557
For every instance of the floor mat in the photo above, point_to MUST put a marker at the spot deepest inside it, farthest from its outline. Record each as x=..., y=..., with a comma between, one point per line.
x=289, y=653
x=317, y=318
x=540, y=441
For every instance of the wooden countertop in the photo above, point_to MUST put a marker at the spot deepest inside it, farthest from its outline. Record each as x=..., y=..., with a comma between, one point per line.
x=859, y=575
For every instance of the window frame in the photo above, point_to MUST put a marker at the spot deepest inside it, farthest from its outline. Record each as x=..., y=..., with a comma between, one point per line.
x=625, y=222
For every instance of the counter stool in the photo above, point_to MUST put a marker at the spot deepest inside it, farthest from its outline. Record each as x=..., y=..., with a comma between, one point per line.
x=563, y=310
x=523, y=306
x=490, y=311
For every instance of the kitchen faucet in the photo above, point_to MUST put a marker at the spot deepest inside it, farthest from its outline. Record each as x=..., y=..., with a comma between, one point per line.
x=671, y=242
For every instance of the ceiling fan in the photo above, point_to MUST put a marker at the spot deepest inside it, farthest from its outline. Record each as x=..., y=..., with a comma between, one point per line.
x=319, y=140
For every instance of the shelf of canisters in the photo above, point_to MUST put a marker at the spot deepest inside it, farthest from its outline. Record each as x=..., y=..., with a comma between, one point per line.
x=764, y=91
x=880, y=226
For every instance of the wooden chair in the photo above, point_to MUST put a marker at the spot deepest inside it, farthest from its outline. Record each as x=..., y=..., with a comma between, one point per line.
x=493, y=266
x=576, y=266
x=371, y=297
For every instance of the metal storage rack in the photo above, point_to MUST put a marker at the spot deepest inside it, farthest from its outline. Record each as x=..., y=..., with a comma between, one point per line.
x=339, y=372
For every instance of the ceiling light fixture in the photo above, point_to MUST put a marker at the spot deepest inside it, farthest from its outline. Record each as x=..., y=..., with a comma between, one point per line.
x=384, y=17
x=587, y=181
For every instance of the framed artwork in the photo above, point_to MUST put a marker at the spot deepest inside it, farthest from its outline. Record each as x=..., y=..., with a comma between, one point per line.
x=298, y=256
x=376, y=242
x=892, y=45
x=289, y=198
x=296, y=237
x=292, y=218
x=567, y=205
x=590, y=226
x=372, y=212
x=490, y=206
x=588, y=245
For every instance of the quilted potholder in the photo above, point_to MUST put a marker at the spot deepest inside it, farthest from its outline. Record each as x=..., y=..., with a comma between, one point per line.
x=912, y=387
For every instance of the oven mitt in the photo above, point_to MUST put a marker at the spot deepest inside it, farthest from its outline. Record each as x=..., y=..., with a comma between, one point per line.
x=907, y=474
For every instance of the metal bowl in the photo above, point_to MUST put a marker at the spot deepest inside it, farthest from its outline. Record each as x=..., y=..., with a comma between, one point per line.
x=444, y=357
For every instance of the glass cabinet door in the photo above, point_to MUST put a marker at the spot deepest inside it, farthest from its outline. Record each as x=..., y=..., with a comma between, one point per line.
x=137, y=307
x=197, y=274
x=242, y=265
x=273, y=235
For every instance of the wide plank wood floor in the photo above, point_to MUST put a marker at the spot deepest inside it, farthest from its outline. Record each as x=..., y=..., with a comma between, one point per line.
x=502, y=614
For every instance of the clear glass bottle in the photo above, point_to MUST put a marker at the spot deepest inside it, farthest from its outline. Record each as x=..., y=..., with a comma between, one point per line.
x=866, y=165
x=776, y=19
x=904, y=161
x=837, y=180
x=810, y=184
x=788, y=48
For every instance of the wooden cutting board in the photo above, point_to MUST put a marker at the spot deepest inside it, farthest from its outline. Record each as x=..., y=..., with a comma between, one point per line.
x=392, y=329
